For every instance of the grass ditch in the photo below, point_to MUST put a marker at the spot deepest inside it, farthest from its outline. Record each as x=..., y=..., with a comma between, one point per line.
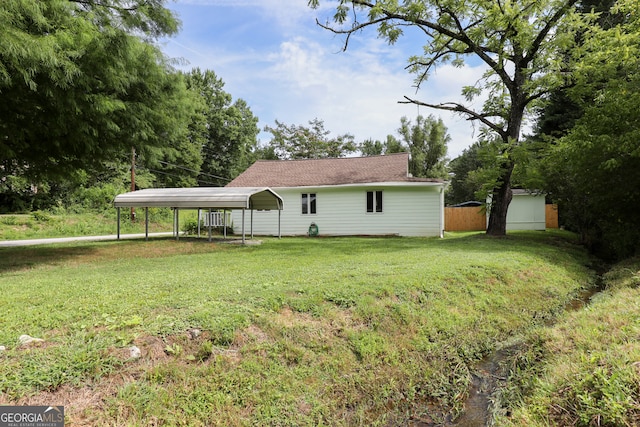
x=339, y=331
x=585, y=369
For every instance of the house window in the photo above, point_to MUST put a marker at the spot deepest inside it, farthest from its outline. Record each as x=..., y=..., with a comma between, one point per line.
x=374, y=201
x=308, y=203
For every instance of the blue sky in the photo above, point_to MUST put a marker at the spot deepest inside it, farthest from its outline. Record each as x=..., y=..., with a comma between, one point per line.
x=272, y=54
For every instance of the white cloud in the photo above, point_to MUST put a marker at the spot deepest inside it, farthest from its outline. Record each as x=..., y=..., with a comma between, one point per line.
x=302, y=76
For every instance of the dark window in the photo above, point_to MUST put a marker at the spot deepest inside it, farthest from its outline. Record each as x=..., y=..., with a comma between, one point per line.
x=308, y=203
x=374, y=201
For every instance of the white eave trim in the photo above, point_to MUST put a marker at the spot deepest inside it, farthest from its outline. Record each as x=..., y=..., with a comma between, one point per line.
x=371, y=184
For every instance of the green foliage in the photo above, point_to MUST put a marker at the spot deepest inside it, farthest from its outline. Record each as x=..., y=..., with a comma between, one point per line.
x=226, y=131
x=462, y=187
x=520, y=43
x=375, y=148
x=65, y=223
x=300, y=142
x=41, y=216
x=593, y=169
x=90, y=76
x=427, y=142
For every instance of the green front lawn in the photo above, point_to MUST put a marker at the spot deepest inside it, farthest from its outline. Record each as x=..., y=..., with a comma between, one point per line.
x=298, y=331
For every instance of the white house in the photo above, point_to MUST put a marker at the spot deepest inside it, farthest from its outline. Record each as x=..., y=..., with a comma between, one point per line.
x=345, y=196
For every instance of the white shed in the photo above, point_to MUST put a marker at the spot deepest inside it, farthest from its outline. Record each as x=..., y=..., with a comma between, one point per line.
x=526, y=211
x=347, y=196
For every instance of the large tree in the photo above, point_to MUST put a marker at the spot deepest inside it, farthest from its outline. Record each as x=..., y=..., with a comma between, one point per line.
x=230, y=129
x=463, y=186
x=81, y=83
x=372, y=147
x=516, y=40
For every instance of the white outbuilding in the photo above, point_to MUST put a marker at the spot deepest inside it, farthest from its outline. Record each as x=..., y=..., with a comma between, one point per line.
x=526, y=210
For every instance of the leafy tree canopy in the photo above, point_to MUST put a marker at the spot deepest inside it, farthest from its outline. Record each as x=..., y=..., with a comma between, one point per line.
x=593, y=170
x=229, y=132
x=372, y=147
x=313, y=142
x=80, y=86
x=427, y=140
x=518, y=41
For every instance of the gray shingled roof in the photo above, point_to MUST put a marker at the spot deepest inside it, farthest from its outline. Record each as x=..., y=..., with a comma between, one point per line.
x=334, y=171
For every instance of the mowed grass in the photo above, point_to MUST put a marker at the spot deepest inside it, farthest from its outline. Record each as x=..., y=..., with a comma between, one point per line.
x=298, y=331
x=585, y=370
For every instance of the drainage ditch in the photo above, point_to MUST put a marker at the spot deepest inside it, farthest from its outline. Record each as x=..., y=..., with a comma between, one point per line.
x=491, y=373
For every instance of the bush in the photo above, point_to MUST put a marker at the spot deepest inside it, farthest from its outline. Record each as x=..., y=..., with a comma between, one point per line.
x=41, y=216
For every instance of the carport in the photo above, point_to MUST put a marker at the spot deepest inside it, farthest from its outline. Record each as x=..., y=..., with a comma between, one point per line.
x=225, y=198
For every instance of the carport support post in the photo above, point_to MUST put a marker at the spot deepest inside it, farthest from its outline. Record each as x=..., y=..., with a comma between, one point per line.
x=251, y=224
x=177, y=224
x=224, y=223
x=118, y=223
x=198, y=223
x=243, y=226
x=279, y=215
x=146, y=223
x=209, y=224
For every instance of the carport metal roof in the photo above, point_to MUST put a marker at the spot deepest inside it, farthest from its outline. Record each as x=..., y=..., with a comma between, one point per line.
x=201, y=197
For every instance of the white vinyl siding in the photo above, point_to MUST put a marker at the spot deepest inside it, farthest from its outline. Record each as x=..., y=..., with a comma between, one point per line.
x=526, y=212
x=408, y=211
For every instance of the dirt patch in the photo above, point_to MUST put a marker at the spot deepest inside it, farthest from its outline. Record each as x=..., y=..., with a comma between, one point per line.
x=86, y=405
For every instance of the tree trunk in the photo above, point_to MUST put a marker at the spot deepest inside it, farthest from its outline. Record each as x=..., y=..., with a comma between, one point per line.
x=500, y=201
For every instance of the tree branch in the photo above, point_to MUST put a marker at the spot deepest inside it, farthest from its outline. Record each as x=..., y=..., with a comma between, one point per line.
x=108, y=6
x=459, y=108
x=537, y=42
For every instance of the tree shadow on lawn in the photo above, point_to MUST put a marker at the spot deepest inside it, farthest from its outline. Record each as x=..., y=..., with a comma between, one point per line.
x=24, y=258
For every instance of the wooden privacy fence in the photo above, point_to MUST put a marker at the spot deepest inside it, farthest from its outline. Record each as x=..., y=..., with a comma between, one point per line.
x=471, y=218
x=474, y=218
x=551, y=216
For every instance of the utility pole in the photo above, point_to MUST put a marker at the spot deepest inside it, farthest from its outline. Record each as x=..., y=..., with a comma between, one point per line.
x=133, y=180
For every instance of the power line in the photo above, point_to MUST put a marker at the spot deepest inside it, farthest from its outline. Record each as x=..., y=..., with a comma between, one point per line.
x=195, y=171
x=179, y=176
